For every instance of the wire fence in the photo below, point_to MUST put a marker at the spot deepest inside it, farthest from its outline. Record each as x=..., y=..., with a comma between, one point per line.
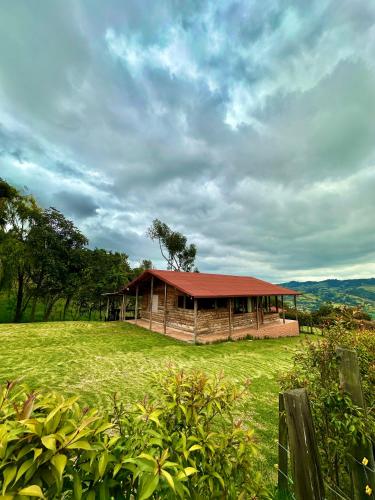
x=333, y=489
x=297, y=446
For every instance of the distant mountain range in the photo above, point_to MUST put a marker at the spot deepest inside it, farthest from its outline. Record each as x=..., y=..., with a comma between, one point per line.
x=357, y=292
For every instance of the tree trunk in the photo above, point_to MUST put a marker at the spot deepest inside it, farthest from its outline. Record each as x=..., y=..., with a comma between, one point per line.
x=48, y=310
x=66, y=306
x=18, y=312
x=33, y=309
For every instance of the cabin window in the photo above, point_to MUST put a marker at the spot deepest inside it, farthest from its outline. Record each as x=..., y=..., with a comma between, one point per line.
x=189, y=303
x=181, y=301
x=240, y=305
x=206, y=303
x=222, y=303
x=184, y=302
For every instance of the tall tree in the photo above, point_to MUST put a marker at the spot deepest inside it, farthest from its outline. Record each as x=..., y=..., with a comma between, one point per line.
x=173, y=246
x=18, y=213
x=104, y=272
x=57, y=261
x=144, y=265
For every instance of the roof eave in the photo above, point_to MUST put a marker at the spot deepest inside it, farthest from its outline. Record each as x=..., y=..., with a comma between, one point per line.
x=151, y=272
x=227, y=296
x=155, y=274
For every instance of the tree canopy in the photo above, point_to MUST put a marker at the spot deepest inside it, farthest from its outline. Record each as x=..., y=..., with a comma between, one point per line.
x=45, y=260
x=173, y=246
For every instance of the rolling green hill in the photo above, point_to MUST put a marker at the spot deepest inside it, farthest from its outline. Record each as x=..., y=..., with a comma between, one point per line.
x=355, y=292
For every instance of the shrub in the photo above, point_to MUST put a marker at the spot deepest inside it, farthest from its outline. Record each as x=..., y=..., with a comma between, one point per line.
x=182, y=443
x=44, y=440
x=338, y=422
x=328, y=314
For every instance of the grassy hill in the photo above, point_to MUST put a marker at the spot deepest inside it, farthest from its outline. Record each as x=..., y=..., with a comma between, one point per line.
x=95, y=360
x=354, y=292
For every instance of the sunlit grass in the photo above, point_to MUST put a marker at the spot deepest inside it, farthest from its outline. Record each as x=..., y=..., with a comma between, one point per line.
x=96, y=359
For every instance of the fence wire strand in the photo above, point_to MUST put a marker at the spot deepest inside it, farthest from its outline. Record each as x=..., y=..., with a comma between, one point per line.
x=341, y=494
x=366, y=467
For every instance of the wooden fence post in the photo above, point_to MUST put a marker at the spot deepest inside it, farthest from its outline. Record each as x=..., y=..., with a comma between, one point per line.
x=307, y=476
x=282, y=477
x=350, y=381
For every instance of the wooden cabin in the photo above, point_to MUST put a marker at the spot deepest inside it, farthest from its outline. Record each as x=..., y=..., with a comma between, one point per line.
x=201, y=307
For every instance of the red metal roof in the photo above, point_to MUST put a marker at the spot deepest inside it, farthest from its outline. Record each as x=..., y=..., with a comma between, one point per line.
x=202, y=285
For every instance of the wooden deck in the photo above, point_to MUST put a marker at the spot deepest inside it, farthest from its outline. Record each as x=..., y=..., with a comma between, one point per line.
x=269, y=330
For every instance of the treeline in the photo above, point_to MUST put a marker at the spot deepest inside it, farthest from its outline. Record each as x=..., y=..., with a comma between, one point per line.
x=45, y=260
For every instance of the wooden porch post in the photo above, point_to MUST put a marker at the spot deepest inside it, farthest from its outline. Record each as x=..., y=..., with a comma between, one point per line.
x=230, y=318
x=257, y=312
x=282, y=307
x=295, y=308
x=136, y=305
x=151, y=296
x=165, y=309
x=122, y=308
x=277, y=303
x=195, y=320
x=125, y=303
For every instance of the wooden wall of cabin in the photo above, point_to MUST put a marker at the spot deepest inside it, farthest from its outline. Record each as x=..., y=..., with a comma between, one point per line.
x=217, y=320
x=208, y=321
x=181, y=319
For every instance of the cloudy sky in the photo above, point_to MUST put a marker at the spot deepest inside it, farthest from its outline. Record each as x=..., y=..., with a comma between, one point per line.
x=247, y=125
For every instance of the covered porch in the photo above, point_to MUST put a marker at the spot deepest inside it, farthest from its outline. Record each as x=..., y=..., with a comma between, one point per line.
x=204, y=308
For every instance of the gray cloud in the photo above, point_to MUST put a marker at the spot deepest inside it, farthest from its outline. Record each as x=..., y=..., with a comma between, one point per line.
x=75, y=204
x=247, y=126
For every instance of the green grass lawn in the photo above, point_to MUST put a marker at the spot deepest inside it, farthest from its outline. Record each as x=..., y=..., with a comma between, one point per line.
x=96, y=359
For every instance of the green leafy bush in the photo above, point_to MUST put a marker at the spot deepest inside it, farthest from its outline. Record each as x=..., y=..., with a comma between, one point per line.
x=328, y=314
x=182, y=443
x=44, y=441
x=338, y=422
